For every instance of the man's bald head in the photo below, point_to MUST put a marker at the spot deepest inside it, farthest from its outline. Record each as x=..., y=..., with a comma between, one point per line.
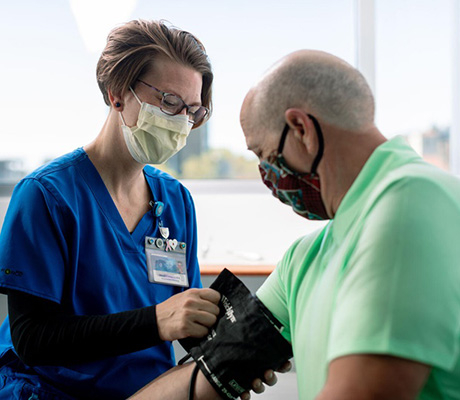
x=324, y=85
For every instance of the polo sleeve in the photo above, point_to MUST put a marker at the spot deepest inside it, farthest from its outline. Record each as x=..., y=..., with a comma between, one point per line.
x=400, y=294
x=273, y=294
x=32, y=243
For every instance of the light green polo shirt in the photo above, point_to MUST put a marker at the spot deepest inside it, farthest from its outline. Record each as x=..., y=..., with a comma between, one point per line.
x=383, y=277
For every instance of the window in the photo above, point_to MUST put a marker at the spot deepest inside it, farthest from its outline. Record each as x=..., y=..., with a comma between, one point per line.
x=414, y=74
x=51, y=103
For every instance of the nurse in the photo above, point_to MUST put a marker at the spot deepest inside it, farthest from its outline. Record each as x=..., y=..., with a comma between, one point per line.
x=90, y=315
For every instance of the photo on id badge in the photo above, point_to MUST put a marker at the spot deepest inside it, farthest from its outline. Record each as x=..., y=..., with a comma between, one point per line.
x=166, y=261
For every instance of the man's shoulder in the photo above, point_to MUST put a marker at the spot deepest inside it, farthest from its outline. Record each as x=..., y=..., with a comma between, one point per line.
x=421, y=179
x=397, y=168
x=415, y=198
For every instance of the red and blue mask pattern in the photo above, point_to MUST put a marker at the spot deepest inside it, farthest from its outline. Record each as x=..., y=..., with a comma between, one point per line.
x=302, y=191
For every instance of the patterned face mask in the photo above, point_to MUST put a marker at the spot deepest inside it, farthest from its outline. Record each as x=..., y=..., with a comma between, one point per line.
x=302, y=191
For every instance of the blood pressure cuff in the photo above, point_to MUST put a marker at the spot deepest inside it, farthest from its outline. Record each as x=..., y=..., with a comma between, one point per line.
x=245, y=341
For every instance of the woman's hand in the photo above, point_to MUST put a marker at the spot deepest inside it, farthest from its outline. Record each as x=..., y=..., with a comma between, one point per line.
x=190, y=313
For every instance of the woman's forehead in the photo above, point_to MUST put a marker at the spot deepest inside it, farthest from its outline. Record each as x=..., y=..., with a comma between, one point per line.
x=173, y=77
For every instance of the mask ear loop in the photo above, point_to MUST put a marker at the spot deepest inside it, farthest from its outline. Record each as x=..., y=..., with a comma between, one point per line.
x=137, y=98
x=135, y=95
x=319, y=133
x=283, y=138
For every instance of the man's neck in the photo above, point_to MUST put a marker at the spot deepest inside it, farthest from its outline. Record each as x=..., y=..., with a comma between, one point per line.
x=346, y=153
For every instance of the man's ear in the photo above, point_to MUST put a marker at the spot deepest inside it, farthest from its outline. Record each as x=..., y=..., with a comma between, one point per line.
x=303, y=128
x=115, y=101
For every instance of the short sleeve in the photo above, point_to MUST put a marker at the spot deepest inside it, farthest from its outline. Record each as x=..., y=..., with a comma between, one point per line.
x=32, y=243
x=273, y=295
x=400, y=293
x=192, y=261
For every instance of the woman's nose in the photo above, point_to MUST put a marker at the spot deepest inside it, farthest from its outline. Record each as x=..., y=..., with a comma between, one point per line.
x=184, y=111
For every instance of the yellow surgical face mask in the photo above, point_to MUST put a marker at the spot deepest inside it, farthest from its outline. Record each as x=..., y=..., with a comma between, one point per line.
x=156, y=136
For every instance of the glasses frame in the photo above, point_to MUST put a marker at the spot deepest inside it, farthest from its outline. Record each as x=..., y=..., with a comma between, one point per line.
x=183, y=104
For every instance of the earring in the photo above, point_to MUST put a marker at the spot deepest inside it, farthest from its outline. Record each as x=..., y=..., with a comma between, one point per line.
x=117, y=104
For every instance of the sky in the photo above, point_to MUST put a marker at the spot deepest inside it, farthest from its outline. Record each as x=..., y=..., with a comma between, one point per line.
x=50, y=102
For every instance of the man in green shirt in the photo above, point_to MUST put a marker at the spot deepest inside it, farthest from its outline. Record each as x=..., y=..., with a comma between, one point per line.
x=371, y=303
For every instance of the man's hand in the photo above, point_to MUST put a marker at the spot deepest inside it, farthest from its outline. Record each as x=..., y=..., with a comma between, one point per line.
x=270, y=379
x=190, y=313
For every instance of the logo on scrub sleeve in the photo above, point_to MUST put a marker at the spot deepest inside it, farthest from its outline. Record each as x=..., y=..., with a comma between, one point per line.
x=11, y=272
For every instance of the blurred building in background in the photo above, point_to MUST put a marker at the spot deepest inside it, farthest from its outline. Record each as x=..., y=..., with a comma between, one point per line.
x=197, y=144
x=11, y=171
x=198, y=161
x=432, y=145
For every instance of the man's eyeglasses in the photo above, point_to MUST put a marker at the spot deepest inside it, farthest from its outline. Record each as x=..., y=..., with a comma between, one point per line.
x=173, y=105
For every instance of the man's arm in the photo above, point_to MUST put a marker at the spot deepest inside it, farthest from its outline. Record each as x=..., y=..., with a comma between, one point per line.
x=367, y=376
x=174, y=385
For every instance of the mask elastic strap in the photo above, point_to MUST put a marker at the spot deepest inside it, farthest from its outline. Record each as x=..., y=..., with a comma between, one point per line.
x=137, y=98
x=135, y=95
x=283, y=138
x=319, y=133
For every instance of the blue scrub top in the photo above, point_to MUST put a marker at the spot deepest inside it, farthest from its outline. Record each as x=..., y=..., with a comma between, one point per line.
x=63, y=239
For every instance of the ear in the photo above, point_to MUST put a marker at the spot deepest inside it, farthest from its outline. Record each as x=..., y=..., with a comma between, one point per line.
x=116, y=102
x=303, y=128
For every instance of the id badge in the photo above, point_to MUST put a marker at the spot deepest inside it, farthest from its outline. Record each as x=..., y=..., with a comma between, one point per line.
x=166, y=261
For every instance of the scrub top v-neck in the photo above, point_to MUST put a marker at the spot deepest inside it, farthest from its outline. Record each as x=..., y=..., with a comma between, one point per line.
x=129, y=240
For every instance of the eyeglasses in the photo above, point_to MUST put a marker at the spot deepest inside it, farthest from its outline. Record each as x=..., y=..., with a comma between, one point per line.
x=173, y=105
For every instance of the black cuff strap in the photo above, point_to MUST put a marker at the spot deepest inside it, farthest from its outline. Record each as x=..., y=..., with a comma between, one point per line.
x=192, y=382
x=243, y=344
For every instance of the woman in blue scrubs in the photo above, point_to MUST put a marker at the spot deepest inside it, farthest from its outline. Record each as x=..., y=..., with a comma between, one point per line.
x=91, y=313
